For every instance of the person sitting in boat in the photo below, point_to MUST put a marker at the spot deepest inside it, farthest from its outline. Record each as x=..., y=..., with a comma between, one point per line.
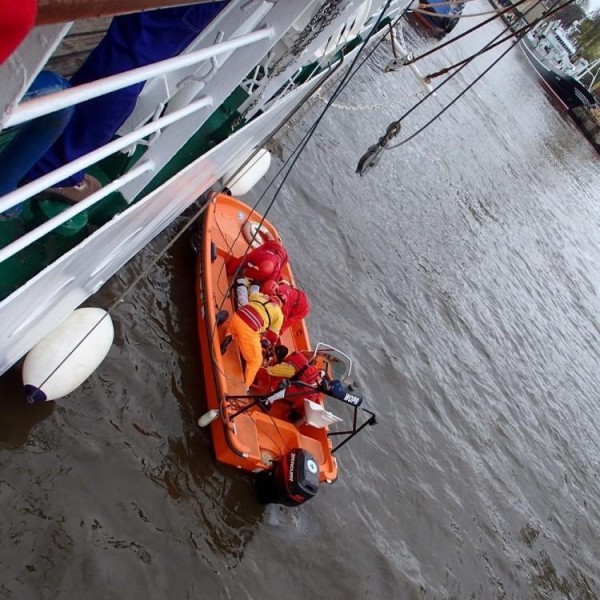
x=295, y=301
x=299, y=380
x=261, y=264
x=262, y=315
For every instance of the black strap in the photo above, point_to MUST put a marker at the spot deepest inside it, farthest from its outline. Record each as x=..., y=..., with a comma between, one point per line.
x=264, y=305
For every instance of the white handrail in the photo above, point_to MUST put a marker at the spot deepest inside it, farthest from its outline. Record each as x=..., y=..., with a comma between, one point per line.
x=52, y=102
x=73, y=211
x=27, y=191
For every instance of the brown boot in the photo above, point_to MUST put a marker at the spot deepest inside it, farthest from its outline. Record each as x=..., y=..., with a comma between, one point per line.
x=75, y=193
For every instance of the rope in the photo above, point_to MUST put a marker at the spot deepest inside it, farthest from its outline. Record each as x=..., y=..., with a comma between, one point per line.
x=295, y=155
x=465, y=33
x=438, y=115
x=371, y=156
x=518, y=33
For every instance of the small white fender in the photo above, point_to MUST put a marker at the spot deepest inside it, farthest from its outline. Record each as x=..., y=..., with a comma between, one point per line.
x=241, y=183
x=92, y=329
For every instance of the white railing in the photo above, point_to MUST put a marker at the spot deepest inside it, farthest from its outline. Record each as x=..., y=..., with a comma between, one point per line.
x=35, y=187
x=50, y=103
x=45, y=105
x=73, y=211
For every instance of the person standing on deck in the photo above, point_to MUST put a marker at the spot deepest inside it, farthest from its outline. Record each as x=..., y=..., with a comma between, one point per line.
x=132, y=40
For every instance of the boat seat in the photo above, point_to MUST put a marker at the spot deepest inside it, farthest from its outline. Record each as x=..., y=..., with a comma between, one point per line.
x=315, y=415
x=314, y=446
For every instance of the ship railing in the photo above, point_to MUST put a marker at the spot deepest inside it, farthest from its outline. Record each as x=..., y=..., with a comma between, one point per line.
x=44, y=105
x=145, y=169
x=282, y=81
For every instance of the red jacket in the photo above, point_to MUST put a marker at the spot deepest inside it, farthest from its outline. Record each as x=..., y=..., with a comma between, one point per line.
x=17, y=17
x=295, y=305
x=272, y=251
x=305, y=373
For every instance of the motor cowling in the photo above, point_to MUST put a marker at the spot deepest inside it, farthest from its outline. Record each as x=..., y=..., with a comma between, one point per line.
x=292, y=481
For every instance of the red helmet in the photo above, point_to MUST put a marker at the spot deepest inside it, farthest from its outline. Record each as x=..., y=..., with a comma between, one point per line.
x=297, y=301
x=266, y=268
x=270, y=287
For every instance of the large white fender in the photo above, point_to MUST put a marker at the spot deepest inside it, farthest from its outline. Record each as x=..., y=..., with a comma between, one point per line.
x=67, y=356
x=241, y=183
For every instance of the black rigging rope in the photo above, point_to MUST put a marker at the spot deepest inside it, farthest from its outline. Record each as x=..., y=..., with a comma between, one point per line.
x=296, y=153
x=517, y=33
x=371, y=156
x=463, y=34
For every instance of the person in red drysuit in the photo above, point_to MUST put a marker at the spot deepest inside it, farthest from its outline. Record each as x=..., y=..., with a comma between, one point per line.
x=295, y=305
x=305, y=381
x=16, y=20
x=262, y=263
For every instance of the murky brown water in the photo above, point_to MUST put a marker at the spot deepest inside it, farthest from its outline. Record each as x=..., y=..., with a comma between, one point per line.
x=462, y=277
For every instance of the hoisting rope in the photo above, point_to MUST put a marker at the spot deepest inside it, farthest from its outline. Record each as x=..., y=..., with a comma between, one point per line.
x=373, y=154
x=296, y=153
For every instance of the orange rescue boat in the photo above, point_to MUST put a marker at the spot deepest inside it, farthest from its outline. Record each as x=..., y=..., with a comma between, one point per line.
x=291, y=458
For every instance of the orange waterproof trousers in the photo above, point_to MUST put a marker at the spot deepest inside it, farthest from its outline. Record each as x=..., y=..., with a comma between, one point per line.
x=249, y=342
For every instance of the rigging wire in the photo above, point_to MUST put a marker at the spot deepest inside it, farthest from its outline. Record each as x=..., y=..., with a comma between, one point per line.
x=518, y=33
x=464, y=33
x=372, y=153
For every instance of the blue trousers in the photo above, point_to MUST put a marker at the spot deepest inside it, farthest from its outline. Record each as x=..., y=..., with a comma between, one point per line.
x=32, y=139
x=131, y=41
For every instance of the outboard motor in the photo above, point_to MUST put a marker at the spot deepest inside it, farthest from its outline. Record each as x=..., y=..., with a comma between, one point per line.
x=293, y=480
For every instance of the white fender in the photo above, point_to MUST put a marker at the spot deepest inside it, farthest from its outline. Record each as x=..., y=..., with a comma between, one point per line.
x=241, y=183
x=60, y=350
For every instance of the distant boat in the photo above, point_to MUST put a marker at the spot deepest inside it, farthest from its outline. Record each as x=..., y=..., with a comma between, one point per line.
x=552, y=54
x=439, y=17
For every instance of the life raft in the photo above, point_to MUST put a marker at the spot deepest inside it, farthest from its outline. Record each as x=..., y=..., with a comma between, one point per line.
x=244, y=436
x=290, y=454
